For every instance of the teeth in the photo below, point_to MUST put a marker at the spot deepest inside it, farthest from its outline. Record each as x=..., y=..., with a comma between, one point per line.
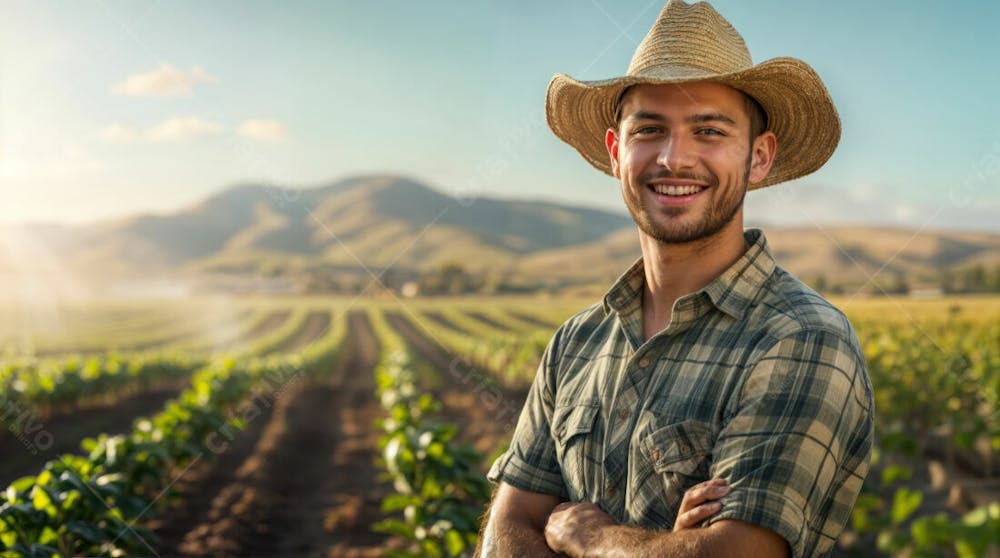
x=676, y=190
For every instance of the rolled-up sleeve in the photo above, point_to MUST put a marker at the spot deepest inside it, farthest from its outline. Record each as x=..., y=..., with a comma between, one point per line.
x=530, y=463
x=796, y=446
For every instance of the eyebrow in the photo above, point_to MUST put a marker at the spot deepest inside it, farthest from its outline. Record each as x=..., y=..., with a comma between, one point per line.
x=710, y=117
x=693, y=119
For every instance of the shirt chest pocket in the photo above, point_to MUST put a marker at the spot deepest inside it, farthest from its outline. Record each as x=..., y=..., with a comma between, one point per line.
x=573, y=429
x=679, y=454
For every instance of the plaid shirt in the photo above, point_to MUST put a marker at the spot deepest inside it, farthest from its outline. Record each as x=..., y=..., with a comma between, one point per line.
x=757, y=379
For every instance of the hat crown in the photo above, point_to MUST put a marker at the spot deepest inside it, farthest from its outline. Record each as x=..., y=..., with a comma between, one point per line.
x=690, y=39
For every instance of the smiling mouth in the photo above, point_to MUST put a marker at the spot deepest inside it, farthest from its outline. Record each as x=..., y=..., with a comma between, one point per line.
x=673, y=190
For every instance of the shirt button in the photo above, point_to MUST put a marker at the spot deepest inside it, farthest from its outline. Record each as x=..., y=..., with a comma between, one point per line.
x=609, y=491
x=656, y=455
x=622, y=413
x=644, y=362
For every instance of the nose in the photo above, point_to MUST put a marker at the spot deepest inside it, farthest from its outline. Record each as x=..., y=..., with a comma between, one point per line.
x=676, y=153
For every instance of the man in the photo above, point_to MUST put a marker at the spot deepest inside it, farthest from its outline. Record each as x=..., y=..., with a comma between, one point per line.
x=709, y=388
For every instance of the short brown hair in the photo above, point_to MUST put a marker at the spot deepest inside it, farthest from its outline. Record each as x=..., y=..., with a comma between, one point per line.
x=757, y=114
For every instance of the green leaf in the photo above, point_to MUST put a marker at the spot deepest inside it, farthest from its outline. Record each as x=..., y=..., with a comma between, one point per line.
x=394, y=526
x=431, y=548
x=22, y=484
x=41, y=500
x=396, y=502
x=904, y=503
x=896, y=473
x=48, y=536
x=455, y=543
x=931, y=530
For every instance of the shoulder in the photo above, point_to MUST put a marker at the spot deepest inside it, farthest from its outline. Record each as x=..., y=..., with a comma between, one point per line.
x=577, y=329
x=788, y=307
x=802, y=335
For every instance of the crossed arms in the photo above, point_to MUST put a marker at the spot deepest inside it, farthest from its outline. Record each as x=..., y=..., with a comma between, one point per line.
x=529, y=524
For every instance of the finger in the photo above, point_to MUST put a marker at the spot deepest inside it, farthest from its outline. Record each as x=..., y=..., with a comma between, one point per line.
x=692, y=518
x=708, y=485
x=702, y=493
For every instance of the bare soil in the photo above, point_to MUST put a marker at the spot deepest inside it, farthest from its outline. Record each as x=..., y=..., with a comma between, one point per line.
x=301, y=481
x=314, y=326
x=479, y=316
x=442, y=320
x=533, y=320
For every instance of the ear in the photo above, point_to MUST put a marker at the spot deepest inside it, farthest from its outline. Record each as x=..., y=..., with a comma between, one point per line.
x=611, y=142
x=762, y=153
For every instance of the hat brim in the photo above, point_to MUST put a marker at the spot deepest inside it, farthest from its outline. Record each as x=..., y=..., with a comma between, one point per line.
x=799, y=109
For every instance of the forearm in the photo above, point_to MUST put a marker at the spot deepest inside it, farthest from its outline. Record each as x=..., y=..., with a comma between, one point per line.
x=622, y=541
x=512, y=538
x=723, y=539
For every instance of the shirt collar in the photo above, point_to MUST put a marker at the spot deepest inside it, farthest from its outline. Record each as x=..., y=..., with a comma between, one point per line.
x=732, y=292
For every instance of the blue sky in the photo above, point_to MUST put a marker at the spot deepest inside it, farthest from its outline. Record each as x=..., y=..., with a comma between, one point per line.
x=112, y=108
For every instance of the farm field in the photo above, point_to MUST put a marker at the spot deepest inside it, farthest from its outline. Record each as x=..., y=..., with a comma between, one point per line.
x=294, y=425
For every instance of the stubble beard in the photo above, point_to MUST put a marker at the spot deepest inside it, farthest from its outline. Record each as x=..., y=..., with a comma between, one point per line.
x=718, y=214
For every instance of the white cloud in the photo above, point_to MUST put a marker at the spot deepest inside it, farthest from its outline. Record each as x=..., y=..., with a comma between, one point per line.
x=264, y=130
x=118, y=133
x=164, y=81
x=182, y=128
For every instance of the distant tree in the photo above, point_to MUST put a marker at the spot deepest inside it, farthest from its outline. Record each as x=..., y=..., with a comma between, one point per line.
x=898, y=285
x=449, y=278
x=975, y=279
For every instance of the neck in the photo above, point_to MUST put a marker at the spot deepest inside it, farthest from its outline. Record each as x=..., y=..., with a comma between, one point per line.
x=674, y=270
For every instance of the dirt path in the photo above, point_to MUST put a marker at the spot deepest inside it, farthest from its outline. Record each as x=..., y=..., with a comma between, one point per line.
x=314, y=326
x=62, y=433
x=307, y=487
x=533, y=320
x=440, y=319
x=484, y=412
x=489, y=321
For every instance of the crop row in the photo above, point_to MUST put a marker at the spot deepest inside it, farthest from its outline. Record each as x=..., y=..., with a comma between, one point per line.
x=36, y=387
x=92, y=504
x=29, y=389
x=513, y=357
x=439, y=487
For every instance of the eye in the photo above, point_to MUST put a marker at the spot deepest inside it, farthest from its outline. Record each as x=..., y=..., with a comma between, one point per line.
x=710, y=132
x=646, y=130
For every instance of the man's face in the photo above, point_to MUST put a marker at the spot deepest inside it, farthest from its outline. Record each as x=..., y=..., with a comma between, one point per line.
x=684, y=157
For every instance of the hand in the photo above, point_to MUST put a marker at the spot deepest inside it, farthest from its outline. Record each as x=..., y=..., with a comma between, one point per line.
x=700, y=501
x=572, y=526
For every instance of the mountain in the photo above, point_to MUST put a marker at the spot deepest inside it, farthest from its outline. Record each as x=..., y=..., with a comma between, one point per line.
x=359, y=222
x=380, y=223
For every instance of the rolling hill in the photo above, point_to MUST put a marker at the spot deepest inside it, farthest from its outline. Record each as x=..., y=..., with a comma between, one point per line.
x=369, y=224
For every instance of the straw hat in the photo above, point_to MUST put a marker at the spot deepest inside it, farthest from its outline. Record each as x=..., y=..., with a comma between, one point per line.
x=693, y=43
